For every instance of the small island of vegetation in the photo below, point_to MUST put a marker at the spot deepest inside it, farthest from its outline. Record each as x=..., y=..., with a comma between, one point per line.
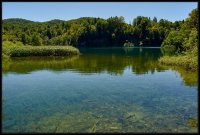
x=19, y=50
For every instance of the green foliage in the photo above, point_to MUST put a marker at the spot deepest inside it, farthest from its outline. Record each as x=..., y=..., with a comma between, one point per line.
x=180, y=37
x=192, y=41
x=12, y=44
x=7, y=46
x=43, y=51
x=193, y=20
x=184, y=43
x=185, y=38
x=174, y=41
x=88, y=31
x=26, y=39
x=155, y=19
x=187, y=61
x=36, y=40
x=10, y=49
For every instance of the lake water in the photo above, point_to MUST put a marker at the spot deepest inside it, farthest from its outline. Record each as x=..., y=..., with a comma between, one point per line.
x=101, y=90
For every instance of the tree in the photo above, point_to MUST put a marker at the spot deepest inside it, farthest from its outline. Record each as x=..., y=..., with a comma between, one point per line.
x=155, y=19
x=192, y=41
x=26, y=39
x=36, y=40
x=193, y=20
x=185, y=38
x=89, y=31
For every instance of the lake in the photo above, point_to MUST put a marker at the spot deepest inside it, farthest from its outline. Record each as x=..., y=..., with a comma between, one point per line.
x=101, y=90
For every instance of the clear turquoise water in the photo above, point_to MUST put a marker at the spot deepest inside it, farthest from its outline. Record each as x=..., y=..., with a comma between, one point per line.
x=102, y=90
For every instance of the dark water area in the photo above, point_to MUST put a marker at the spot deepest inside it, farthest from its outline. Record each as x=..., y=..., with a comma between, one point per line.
x=101, y=90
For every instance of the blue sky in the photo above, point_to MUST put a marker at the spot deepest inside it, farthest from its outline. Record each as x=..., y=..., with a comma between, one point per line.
x=45, y=11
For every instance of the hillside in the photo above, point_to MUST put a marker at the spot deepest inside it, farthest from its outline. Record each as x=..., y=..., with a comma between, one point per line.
x=89, y=31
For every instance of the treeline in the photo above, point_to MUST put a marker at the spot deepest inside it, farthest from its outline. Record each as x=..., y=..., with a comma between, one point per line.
x=88, y=31
x=183, y=43
x=186, y=38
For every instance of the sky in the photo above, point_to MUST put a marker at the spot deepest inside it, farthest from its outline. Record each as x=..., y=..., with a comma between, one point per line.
x=46, y=11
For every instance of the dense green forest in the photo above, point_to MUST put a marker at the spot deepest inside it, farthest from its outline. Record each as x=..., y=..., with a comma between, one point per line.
x=177, y=38
x=183, y=44
x=88, y=31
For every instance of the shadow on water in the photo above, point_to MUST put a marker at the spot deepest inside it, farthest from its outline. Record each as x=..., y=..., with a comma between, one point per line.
x=97, y=60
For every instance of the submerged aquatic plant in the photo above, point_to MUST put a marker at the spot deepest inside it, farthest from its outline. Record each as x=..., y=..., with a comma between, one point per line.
x=192, y=122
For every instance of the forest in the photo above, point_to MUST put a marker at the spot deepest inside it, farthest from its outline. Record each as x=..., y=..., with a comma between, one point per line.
x=88, y=31
x=175, y=38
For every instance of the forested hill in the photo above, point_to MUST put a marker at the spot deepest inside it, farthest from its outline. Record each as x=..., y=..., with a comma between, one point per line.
x=88, y=31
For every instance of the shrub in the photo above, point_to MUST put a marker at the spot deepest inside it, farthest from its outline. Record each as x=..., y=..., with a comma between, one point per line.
x=42, y=51
x=187, y=61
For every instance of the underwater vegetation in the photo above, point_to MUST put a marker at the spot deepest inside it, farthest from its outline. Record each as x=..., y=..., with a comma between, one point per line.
x=192, y=122
x=99, y=91
x=100, y=119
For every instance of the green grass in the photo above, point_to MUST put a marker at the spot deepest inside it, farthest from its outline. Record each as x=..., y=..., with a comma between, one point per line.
x=187, y=61
x=24, y=51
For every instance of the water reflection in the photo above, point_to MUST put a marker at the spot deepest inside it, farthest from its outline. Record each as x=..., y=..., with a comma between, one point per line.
x=190, y=78
x=97, y=60
x=101, y=90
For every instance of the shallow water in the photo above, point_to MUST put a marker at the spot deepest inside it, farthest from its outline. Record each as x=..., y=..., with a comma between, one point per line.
x=102, y=90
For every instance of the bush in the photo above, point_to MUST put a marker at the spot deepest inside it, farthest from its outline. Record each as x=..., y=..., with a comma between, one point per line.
x=187, y=61
x=42, y=51
x=128, y=44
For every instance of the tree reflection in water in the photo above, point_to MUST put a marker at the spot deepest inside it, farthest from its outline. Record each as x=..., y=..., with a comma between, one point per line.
x=97, y=60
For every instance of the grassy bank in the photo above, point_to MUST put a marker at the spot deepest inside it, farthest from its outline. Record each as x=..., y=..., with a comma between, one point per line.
x=24, y=51
x=187, y=61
